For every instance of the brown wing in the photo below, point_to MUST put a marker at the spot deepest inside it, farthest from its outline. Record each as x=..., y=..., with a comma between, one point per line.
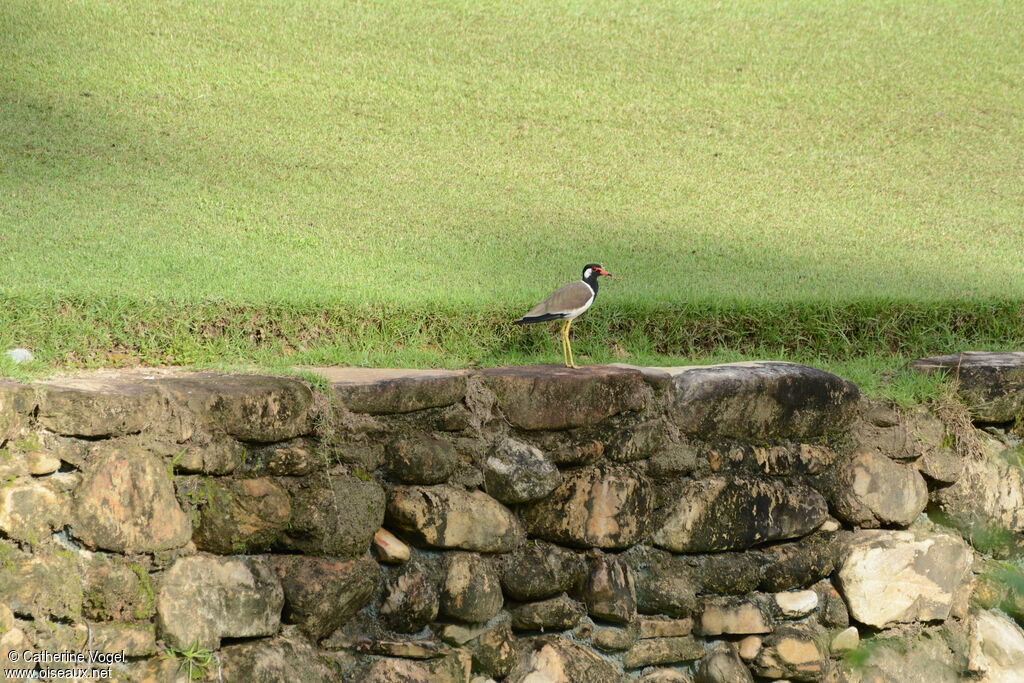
x=567, y=299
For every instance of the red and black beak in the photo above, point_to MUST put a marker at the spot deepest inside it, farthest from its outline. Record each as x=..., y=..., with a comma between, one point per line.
x=602, y=271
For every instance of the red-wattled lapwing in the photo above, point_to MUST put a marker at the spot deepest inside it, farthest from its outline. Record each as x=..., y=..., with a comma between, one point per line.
x=567, y=304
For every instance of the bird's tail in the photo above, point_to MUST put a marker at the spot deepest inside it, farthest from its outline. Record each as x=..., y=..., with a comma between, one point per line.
x=529, y=320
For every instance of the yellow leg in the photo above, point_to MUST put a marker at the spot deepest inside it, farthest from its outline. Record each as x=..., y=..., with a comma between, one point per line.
x=568, y=345
x=561, y=334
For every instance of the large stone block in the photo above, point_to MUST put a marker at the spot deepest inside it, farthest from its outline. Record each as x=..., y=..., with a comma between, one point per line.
x=98, y=407
x=991, y=383
x=793, y=652
x=891, y=577
x=516, y=472
x=31, y=510
x=239, y=515
x=609, y=591
x=334, y=514
x=599, y=506
x=448, y=517
x=277, y=660
x=421, y=460
x=761, y=400
x=471, y=589
x=115, y=589
x=987, y=502
x=556, y=659
x=870, y=490
x=381, y=391
x=720, y=513
x=248, y=407
x=126, y=503
x=203, y=599
x=539, y=570
x=39, y=585
x=320, y=594
x=553, y=397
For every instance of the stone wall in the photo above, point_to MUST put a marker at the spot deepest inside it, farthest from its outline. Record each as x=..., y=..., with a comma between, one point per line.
x=521, y=524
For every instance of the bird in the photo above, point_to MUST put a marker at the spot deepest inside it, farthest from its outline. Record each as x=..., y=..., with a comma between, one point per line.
x=567, y=304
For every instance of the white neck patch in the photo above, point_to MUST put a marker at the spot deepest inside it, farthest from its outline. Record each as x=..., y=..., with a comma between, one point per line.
x=587, y=272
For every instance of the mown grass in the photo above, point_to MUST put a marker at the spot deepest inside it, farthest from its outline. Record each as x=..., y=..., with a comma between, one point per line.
x=390, y=183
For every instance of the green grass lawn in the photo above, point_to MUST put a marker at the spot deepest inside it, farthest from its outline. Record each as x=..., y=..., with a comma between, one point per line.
x=387, y=182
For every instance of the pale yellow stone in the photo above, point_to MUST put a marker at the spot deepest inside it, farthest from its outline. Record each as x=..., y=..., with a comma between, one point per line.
x=846, y=640
x=389, y=548
x=40, y=463
x=749, y=647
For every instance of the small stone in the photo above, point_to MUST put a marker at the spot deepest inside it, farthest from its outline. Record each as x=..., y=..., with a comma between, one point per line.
x=388, y=548
x=609, y=592
x=471, y=589
x=653, y=675
x=496, y=650
x=409, y=649
x=749, y=647
x=411, y=600
x=832, y=610
x=518, y=473
x=421, y=460
x=40, y=463
x=203, y=599
x=733, y=616
x=539, y=569
x=664, y=627
x=723, y=665
x=19, y=355
x=797, y=604
x=611, y=639
x=792, y=652
x=113, y=589
x=6, y=618
x=459, y=634
x=846, y=640
x=555, y=614
x=662, y=651
x=829, y=525
x=31, y=510
x=115, y=637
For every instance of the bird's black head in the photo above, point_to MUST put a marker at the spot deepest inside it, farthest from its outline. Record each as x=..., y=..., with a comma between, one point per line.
x=592, y=271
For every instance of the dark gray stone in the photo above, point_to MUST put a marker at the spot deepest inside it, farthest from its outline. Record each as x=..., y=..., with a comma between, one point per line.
x=762, y=400
x=720, y=513
x=991, y=383
x=519, y=473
